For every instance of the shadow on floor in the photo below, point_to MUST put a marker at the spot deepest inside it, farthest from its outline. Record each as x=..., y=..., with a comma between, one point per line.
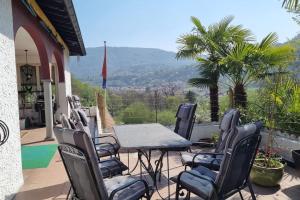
x=52, y=192
x=292, y=192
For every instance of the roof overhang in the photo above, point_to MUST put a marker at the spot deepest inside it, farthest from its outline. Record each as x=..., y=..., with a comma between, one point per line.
x=61, y=14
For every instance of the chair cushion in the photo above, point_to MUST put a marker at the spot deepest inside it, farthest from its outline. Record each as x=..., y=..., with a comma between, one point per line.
x=110, y=149
x=111, y=167
x=202, y=188
x=134, y=191
x=210, y=161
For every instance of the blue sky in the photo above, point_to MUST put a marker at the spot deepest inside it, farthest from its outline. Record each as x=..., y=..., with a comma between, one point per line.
x=158, y=23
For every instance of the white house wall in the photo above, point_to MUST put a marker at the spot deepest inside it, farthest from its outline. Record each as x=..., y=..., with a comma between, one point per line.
x=11, y=177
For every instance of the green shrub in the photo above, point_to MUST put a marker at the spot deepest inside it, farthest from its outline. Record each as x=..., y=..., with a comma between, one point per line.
x=137, y=113
x=166, y=118
x=172, y=102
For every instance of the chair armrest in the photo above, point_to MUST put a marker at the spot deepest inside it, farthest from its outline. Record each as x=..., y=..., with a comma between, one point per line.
x=108, y=143
x=206, y=144
x=106, y=136
x=110, y=153
x=111, y=197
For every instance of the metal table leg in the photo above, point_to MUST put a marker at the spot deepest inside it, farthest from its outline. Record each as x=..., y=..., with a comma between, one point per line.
x=158, y=168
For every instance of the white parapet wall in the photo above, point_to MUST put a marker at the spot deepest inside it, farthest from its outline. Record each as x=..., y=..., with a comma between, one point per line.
x=283, y=143
x=11, y=178
x=203, y=130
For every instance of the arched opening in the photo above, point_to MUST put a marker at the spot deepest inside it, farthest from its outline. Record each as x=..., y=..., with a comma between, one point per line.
x=30, y=87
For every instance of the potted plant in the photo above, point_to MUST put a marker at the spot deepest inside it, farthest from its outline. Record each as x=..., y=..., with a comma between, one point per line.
x=268, y=168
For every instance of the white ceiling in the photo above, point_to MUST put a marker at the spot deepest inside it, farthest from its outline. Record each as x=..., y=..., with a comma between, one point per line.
x=24, y=41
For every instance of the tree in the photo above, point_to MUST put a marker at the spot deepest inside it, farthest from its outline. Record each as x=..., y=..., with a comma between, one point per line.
x=247, y=62
x=208, y=46
x=190, y=96
x=114, y=103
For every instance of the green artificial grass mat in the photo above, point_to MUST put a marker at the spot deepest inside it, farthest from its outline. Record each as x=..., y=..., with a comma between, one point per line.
x=37, y=156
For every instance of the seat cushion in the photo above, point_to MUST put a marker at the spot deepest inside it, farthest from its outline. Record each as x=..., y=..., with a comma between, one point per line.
x=201, y=187
x=208, y=160
x=134, y=191
x=111, y=167
x=107, y=149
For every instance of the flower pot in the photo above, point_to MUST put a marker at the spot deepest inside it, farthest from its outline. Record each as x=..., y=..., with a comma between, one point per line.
x=22, y=124
x=268, y=177
x=296, y=157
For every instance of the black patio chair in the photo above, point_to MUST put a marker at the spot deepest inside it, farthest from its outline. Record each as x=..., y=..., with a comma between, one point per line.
x=234, y=171
x=185, y=119
x=109, y=167
x=106, y=144
x=212, y=160
x=81, y=164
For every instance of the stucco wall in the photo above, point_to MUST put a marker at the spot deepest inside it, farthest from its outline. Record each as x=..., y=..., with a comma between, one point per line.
x=11, y=177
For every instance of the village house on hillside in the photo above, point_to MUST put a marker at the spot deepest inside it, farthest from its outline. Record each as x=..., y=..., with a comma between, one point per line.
x=36, y=39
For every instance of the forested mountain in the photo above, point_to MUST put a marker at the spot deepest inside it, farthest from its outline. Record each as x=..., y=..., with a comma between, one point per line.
x=141, y=67
x=133, y=67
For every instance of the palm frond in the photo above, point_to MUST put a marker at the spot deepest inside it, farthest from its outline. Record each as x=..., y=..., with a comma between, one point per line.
x=290, y=4
x=198, y=25
x=200, y=82
x=191, y=45
x=268, y=41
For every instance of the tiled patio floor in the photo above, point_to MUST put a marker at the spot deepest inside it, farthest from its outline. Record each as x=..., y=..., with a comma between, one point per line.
x=52, y=183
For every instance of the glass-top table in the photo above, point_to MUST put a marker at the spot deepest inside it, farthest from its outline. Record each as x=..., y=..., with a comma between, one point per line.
x=149, y=136
x=145, y=138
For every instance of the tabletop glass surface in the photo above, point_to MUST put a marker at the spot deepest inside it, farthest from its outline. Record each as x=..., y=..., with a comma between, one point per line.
x=149, y=136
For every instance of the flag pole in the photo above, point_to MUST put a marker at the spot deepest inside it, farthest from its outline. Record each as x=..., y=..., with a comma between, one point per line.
x=105, y=77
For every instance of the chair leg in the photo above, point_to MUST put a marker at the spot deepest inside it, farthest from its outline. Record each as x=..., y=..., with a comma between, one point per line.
x=241, y=195
x=160, y=171
x=68, y=193
x=177, y=191
x=251, y=190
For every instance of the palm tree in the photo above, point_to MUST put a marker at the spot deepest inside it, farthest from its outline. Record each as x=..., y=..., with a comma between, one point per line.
x=290, y=4
x=248, y=62
x=208, y=46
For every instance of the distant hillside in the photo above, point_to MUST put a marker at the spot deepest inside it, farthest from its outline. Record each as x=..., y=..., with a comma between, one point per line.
x=127, y=67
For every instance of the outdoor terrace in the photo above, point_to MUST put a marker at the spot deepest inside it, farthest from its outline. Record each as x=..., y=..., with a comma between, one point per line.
x=52, y=182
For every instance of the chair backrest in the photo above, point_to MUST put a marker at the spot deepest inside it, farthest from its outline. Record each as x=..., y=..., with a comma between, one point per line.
x=76, y=101
x=70, y=101
x=185, y=118
x=227, y=128
x=81, y=163
x=238, y=160
x=79, y=122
